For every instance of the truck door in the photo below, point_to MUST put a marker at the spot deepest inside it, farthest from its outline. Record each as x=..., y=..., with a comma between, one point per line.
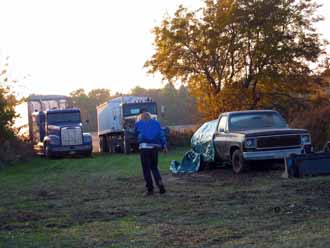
x=221, y=137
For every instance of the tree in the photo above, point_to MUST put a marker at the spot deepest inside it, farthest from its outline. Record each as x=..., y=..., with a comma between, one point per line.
x=80, y=100
x=180, y=107
x=8, y=103
x=99, y=95
x=87, y=104
x=242, y=54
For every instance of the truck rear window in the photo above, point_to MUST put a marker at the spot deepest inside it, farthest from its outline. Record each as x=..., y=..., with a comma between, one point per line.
x=135, y=108
x=248, y=121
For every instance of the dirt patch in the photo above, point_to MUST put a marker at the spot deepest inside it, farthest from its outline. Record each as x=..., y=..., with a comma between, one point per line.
x=19, y=220
x=28, y=216
x=46, y=195
x=90, y=216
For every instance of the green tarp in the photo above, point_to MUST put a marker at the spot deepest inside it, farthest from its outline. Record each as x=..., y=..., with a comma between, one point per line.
x=202, y=150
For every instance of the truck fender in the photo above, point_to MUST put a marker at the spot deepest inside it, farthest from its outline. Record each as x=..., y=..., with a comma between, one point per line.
x=52, y=140
x=232, y=149
x=87, y=138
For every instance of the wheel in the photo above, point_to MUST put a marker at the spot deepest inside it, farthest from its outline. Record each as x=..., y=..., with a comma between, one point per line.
x=127, y=147
x=201, y=163
x=47, y=152
x=238, y=162
x=326, y=147
x=104, y=144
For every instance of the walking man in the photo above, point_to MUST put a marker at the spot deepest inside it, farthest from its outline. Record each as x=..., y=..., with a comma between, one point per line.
x=151, y=139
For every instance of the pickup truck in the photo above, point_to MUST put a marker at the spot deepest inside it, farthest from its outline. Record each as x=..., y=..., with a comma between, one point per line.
x=244, y=136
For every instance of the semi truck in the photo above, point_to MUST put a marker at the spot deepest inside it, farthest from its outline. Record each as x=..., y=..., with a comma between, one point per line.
x=116, y=119
x=55, y=129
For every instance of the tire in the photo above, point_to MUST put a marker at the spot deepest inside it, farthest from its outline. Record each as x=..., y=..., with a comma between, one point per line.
x=238, y=162
x=127, y=147
x=47, y=152
x=104, y=144
x=201, y=164
x=326, y=147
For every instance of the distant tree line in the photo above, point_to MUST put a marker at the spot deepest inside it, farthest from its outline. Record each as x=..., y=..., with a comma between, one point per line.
x=179, y=107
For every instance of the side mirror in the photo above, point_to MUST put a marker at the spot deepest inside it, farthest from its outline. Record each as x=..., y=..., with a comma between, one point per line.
x=162, y=110
x=221, y=130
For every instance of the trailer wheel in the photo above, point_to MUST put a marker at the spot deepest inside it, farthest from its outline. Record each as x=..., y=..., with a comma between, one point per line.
x=238, y=162
x=104, y=144
x=127, y=147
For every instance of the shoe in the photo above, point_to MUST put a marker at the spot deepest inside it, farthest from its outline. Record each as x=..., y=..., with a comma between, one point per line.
x=162, y=189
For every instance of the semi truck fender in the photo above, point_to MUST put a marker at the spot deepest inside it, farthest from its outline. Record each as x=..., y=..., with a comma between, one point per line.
x=87, y=138
x=52, y=140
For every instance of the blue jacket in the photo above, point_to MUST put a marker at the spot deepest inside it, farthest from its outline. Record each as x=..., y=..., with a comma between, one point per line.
x=150, y=132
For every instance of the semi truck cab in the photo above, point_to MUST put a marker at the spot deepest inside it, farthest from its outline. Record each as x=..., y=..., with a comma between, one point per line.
x=59, y=132
x=56, y=129
x=132, y=110
x=116, y=120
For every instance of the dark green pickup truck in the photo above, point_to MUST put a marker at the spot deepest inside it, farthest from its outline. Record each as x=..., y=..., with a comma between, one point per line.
x=245, y=136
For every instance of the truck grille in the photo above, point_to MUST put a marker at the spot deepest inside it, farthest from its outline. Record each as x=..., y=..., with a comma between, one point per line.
x=278, y=141
x=71, y=136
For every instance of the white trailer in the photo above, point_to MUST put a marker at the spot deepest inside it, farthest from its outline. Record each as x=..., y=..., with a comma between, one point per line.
x=37, y=103
x=116, y=119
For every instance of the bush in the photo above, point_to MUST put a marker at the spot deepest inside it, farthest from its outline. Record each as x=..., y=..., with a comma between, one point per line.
x=14, y=150
x=317, y=121
x=180, y=138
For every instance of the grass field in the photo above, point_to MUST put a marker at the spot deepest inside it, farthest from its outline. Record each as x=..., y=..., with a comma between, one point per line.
x=98, y=202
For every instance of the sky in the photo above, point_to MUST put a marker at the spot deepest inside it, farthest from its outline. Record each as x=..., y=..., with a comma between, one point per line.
x=57, y=46
x=63, y=45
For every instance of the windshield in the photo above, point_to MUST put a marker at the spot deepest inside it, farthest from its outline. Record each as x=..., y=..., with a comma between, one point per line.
x=135, y=108
x=263, y=120
x=63, y=117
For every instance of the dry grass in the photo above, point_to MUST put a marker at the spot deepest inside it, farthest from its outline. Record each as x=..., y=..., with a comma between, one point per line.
x=98, y=202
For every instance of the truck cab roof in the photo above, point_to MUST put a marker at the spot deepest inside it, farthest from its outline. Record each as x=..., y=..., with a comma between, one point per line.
x=70, y=110
x=250, y=112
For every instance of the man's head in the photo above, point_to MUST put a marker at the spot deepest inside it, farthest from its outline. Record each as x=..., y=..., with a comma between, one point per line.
x=144, y=116
x=143, y=110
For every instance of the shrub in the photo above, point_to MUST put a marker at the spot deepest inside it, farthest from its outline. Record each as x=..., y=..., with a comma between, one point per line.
x=317, y=121
x=13, y=150
x=180, y=138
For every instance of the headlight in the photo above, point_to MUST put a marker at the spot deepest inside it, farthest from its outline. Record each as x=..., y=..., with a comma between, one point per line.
x=250, y=143
x=305, y=139
x=54, y=140
x=87, y=138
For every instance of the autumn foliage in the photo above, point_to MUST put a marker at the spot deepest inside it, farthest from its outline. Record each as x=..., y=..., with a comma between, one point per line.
x=8, y=103
x=242, y=54
x=316, y=121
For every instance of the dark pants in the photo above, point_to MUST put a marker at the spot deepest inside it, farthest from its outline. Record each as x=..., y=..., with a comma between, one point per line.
x=149, y=161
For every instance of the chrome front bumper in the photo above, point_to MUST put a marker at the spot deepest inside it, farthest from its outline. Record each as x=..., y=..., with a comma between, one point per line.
x=72, y=149
x=274, y=154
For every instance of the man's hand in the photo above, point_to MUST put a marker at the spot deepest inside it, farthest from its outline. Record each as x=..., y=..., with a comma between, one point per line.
x=165, y=150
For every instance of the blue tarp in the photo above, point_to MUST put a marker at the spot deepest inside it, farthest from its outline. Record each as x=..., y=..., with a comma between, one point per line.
x=202, y=150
